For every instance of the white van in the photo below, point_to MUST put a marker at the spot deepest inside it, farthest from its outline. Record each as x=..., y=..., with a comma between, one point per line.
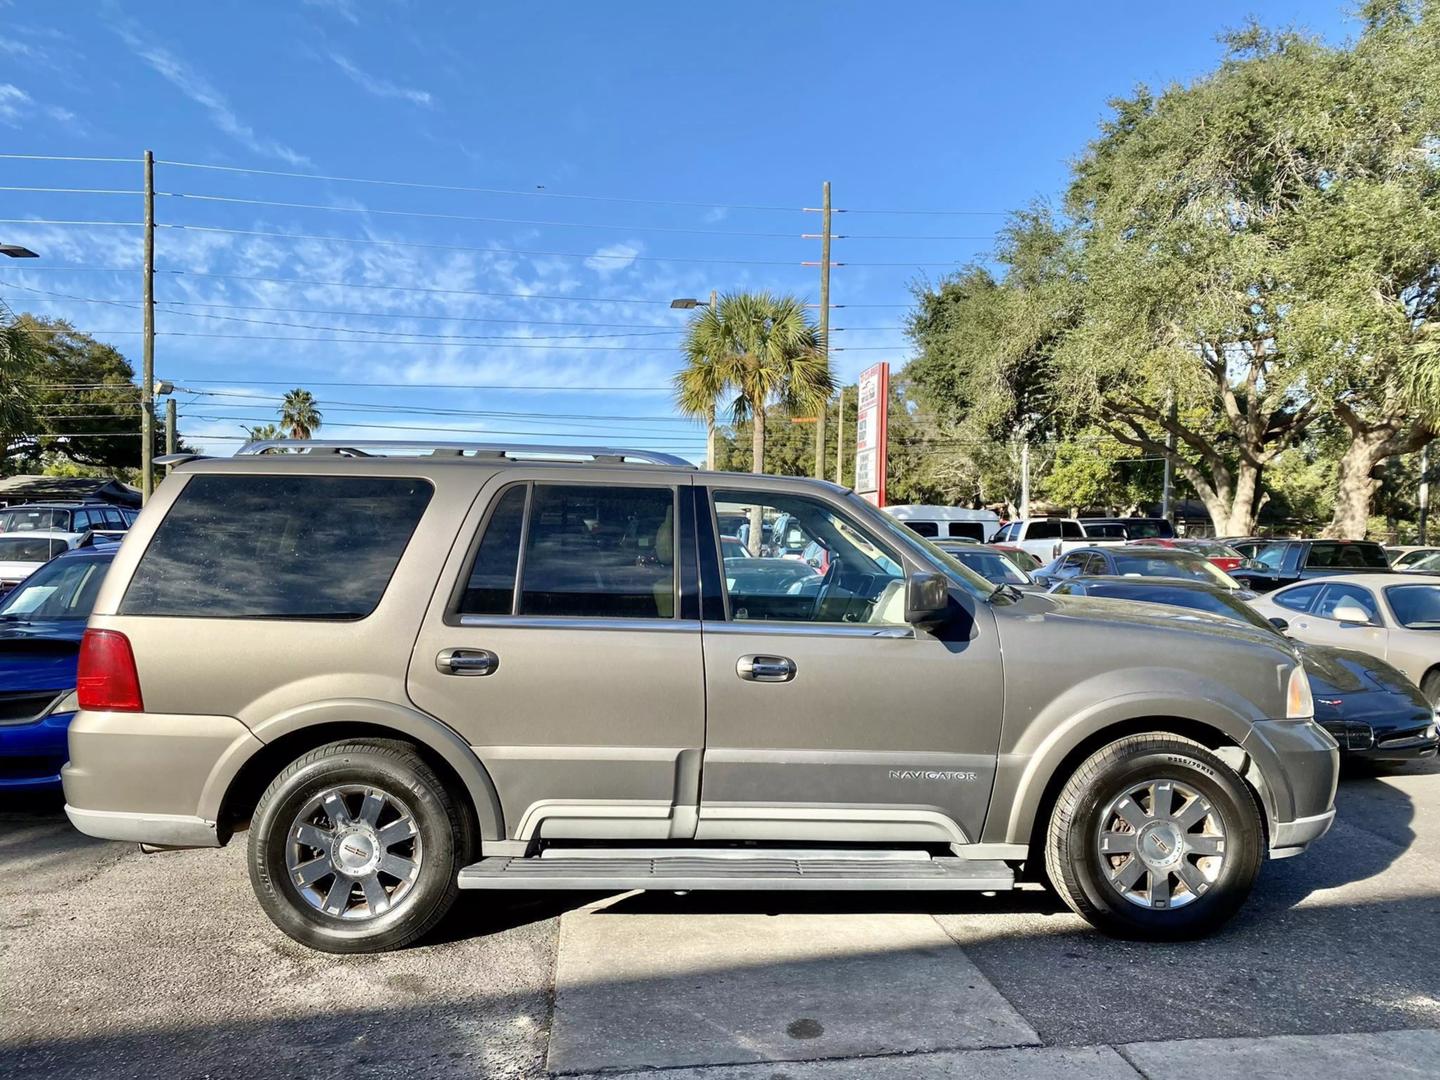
x=947, y=522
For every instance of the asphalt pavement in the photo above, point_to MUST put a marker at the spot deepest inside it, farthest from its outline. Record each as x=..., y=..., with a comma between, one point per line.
x=117, y=964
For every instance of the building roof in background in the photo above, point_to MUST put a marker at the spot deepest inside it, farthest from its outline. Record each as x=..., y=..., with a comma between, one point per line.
x=31, y=488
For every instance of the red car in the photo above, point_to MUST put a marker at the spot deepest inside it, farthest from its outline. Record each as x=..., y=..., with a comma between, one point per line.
x=1222, y=555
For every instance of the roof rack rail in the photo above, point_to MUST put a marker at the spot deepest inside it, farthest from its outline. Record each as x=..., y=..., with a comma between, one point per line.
x=600, y=455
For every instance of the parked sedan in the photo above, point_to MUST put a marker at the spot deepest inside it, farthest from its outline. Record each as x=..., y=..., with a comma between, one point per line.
x=1372, y=709
x=1132, y=561
x=41, y=622
x=22, y=553
x=989, y=562
x=1405, y=558
x=1393, y=616
x=1222, y=555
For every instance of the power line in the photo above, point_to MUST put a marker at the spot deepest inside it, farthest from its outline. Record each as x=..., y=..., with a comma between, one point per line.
x=466, y=217
x=476, y=190
x=64, y=157
x=627, y=257
x=75, y=191
x=54, y=221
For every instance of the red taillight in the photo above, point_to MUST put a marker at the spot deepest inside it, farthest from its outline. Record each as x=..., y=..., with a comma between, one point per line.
x=107, y=680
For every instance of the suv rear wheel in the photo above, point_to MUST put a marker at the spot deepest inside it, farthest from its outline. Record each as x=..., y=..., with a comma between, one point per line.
x=355, y=847
x=1154, y=837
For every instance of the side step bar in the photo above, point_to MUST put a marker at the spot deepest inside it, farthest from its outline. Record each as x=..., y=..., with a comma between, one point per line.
x=727, y=870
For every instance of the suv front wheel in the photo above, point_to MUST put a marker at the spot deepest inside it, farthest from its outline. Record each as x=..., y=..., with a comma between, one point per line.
x=355, y=847
x=1154, y=837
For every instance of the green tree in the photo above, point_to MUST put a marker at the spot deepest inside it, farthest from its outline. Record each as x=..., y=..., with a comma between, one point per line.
x=19, y=360
x=761, y=351
x=265, y=432
x=299, y=414
x=82, y=400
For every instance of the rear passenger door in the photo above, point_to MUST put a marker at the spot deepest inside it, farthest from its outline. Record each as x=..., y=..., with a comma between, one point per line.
x=564, y=644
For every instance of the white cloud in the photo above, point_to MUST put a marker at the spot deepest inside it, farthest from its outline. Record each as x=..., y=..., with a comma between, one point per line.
x=383, y=88
x=200, y=90
x=16, y=106
x=612, y=257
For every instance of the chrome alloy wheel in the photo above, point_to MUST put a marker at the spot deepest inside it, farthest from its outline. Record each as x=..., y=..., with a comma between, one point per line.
x=353, y=852
x=1161, y=844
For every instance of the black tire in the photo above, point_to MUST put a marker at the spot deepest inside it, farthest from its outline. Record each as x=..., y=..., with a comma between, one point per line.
x=1080, y=873
x=443, y=827
x=1430, y=686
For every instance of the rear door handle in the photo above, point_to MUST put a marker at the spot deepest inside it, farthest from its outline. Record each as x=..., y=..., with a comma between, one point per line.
x=765, y=668
x=466, y=662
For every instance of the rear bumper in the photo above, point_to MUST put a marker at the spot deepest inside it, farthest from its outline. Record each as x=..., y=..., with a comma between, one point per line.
x=32, y=753
x=146, y=777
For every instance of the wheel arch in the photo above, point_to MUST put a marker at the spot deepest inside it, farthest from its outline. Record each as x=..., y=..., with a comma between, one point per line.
x=239, y=779
x=1030, y=782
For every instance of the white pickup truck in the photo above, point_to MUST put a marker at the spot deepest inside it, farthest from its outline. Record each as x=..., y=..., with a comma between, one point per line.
x=1049, y=538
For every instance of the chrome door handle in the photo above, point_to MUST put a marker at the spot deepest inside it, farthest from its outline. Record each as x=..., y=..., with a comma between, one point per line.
x=466, y=662
x=765, y=668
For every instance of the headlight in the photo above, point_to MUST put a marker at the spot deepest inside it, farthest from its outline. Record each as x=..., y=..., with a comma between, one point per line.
x=1299, y=704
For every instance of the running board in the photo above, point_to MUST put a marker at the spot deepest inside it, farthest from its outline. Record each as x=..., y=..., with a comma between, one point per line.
x=726, y=870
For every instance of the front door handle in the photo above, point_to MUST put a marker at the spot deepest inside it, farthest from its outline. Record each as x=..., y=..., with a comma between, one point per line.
x=466, y=662
x=765, y=668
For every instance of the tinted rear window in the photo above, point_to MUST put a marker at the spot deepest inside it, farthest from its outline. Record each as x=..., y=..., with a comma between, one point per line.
x=1339, y=554
x=29, y=548
x=277, y=547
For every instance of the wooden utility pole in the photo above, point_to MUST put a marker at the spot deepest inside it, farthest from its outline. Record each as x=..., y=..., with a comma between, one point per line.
x=840, y=439
x=824, y=323
x=710, y=419
x=147, y=377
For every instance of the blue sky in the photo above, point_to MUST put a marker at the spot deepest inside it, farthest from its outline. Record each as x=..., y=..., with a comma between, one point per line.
x=561, y=172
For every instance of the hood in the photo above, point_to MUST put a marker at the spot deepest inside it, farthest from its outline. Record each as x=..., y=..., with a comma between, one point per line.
x=1144, y=615
x=1335, y=672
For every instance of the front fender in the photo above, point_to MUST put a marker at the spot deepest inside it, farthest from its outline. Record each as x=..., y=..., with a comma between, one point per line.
x=410, y=723
x=1034, y=747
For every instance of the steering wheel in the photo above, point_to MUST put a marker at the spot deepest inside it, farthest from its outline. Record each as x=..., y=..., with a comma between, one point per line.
x=826, y=580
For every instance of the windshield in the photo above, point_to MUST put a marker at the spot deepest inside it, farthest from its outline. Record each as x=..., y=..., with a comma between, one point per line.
x=1196, y=599
x=991, y=565
x=1416, y=607
x=29, y=548
x=953, y=568
x=1173, y=564
x=22, y=519
x=63, y=589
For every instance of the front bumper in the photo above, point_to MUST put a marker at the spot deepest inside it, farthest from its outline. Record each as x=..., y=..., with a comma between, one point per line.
x=31, y=753
x=1298, y=766
x=146, y=777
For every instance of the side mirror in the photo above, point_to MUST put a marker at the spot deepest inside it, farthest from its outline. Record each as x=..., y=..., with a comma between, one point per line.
x=927, y=599
x=1280, y=624
x=1351, y=613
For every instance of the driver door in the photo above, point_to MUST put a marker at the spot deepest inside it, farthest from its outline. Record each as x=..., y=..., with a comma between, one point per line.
x=828, y=717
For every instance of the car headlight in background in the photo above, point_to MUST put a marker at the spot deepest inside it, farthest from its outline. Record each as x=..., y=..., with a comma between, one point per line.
x=1299, y=703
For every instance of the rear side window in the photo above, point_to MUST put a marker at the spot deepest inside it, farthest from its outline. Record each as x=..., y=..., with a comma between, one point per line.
x=969, y=530
x=1043, y=530
x=1348, y=555
x=490, y=589
x=924, y=528
x=599, y=552
x=1299, y=598
x=277, y=547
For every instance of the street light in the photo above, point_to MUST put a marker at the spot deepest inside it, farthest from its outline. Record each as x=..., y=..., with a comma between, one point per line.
x=684, y=303
x=15, y=251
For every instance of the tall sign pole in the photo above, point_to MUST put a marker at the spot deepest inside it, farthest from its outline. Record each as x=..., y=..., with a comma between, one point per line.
x=147, y=377
x=871, y=424
x=824, y=322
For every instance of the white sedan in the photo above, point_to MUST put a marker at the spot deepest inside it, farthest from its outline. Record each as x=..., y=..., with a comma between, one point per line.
x=1393, y=616
x=22, y=553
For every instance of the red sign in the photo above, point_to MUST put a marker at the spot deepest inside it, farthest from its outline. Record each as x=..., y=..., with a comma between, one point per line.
x=871, y=433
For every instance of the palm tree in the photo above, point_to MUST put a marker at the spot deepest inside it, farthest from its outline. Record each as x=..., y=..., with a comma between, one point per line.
x=264, y=432
x=20, y=360
x=299, y=414
x=763, y=349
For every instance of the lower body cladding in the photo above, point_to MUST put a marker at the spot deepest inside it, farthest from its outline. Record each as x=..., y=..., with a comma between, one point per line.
x=153, y=779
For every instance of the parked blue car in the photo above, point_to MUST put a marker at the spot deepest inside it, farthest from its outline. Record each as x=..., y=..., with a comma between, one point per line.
x=41, y=622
